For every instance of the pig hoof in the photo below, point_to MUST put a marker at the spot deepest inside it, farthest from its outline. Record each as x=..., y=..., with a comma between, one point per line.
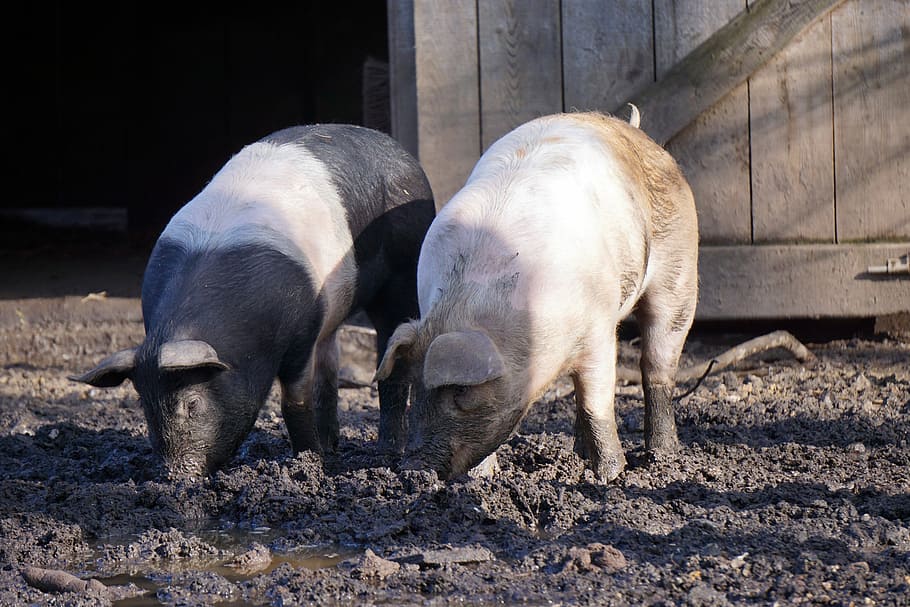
x=607, y=468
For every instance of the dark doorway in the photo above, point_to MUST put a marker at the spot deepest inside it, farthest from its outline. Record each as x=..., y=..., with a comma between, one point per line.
x=122, y=112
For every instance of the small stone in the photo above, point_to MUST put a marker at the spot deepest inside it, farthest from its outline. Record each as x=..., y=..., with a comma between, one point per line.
x=633, y=421
x=860, y=567
x=703, y=594
x=449, y=555
x=607, y=557
x=578, y=559
x=756, y=382
x=487, y=468
x=372, y=565
x=257, y=558
x=732, y=380
x=711, y=549
x=857, y=448
x=739, y=561
x=861, y=383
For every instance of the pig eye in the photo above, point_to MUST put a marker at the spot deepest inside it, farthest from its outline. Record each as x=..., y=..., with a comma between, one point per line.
x=193, y=405
x=464, y=398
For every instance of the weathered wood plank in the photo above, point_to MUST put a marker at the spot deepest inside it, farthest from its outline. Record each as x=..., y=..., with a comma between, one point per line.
x=724, y=60
x=791, y=113
x=448, y=101
x=402, y=73
x=713, y=151
x=520, y=63
x=799, y=281
x=608, y=52
x=871, y=116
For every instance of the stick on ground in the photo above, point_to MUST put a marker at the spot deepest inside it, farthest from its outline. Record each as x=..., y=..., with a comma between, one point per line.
x=777, y=339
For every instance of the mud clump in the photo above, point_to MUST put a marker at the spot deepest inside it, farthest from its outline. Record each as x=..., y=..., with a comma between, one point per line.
x=792, y=485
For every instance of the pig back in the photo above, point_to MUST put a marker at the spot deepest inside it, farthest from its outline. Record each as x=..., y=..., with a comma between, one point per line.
x=323, y=196
x=557, y=211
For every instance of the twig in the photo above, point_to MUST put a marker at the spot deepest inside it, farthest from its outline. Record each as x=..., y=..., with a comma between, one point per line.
x=54, y=580
x=777, y=339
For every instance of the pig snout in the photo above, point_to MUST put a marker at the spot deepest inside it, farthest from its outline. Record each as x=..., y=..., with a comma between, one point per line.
x=414, y=455
x=426, y=455
x=185, y=462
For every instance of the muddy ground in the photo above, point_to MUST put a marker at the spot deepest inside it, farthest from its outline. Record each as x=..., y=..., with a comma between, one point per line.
x=792, y=487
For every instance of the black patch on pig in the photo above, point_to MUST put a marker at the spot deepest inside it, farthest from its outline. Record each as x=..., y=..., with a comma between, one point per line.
x=388, y=205
x=258, y=308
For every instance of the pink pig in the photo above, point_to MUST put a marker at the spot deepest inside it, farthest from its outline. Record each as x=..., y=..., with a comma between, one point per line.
x=566, y=225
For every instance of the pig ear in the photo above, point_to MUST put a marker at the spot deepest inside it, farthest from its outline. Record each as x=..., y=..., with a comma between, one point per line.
x=188, y=354
x=462, y=358
x=402, y=339
x=111, y=371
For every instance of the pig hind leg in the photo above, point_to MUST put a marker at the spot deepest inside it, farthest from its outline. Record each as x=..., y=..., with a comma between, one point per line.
x=310, y=404
x=396, y=304
x=325, y=392
x=596, y=436
x=664, y=316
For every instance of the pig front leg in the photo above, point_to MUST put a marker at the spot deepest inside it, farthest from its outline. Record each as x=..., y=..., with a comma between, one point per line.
x=310, y=405
x=393, y=421
x=386, y=315
x=664, y=325
x=299, y=415
x=596, y=436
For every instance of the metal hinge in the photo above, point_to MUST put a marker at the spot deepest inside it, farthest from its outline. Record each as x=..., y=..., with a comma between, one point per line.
x=894, y=265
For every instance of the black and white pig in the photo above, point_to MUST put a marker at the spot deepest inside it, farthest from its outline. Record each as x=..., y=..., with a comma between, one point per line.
x=251, y=279
x=565, y=226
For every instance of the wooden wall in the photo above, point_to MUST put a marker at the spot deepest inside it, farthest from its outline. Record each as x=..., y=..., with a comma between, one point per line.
x=801, y=174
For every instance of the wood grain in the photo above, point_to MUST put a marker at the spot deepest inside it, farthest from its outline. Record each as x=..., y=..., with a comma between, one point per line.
x=448, y=100
x=791, y=114
x=872, y=119
x=520, y=64
x=799, y=281
x=402, y=73
x=713, y=150
x=608, y=52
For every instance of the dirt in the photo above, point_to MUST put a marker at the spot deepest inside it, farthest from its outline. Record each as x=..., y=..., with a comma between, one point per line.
x=792, y=487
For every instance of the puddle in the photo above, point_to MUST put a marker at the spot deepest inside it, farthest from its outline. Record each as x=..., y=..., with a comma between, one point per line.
x=233, y=540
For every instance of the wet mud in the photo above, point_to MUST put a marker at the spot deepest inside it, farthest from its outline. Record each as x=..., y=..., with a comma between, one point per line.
x=792, y=486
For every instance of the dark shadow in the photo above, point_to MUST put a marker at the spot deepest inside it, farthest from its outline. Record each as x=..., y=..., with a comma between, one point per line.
x=141, y=130
x=802, y=429
x=39, y=261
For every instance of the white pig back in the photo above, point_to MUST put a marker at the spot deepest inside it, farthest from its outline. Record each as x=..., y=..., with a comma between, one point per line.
x=277, y=196
x=549, y=215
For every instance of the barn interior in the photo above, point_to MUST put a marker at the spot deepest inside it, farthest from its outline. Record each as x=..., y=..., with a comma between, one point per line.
x=119, y=114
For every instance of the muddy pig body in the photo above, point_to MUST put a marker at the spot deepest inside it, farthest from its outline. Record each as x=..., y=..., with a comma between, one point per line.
x=251, y=279
x=565, y=226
